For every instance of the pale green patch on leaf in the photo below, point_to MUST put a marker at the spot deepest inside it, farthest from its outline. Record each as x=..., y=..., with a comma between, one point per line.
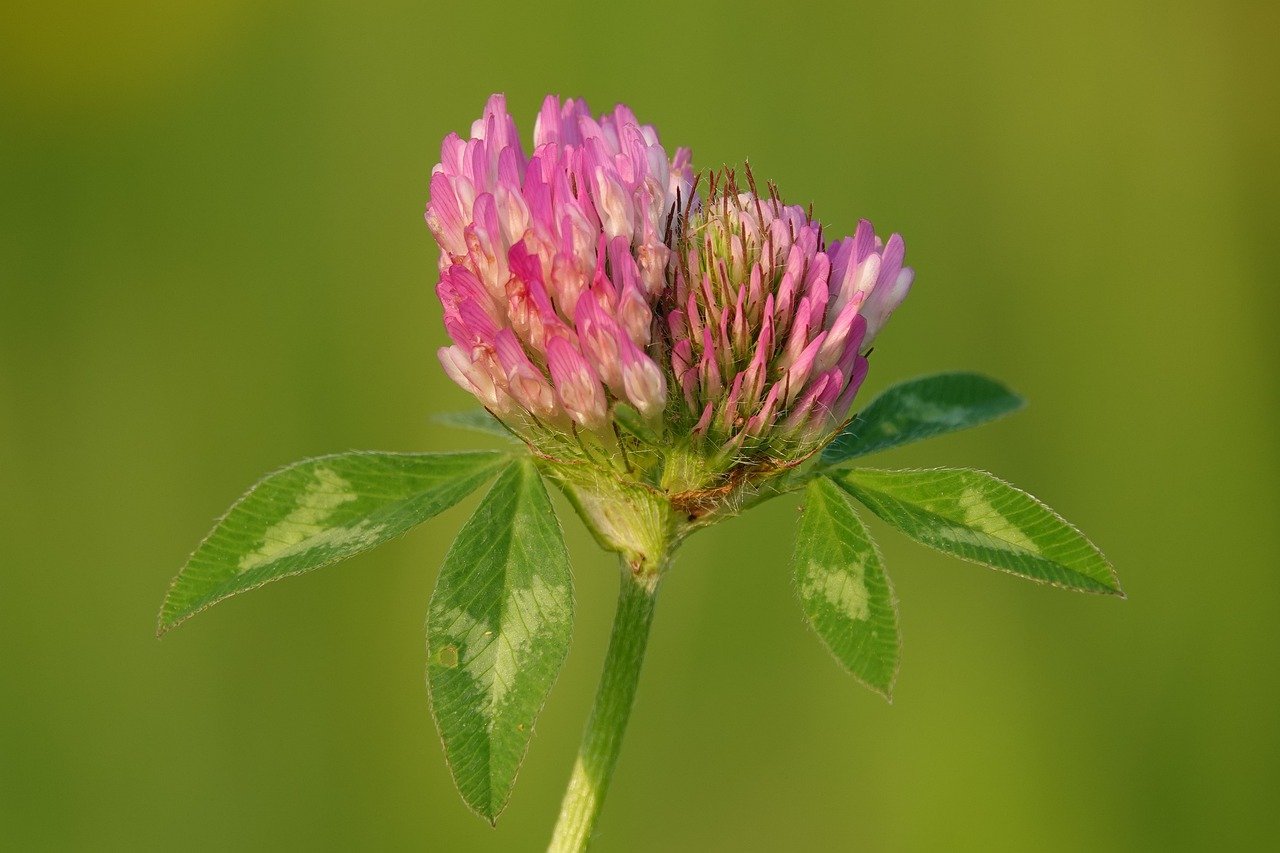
x=977, y=517
x=920, y=408
x=476, y=420
x=498, y=632
x=843, y=589
x=316, y=512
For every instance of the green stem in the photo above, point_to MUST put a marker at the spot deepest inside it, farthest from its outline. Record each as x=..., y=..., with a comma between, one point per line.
x=602, y=741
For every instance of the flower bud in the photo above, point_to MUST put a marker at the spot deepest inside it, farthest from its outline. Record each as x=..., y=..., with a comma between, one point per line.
x=769, y=327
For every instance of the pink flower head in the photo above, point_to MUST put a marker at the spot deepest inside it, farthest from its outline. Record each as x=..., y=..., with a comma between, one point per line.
x=769, y=325
x=589, y=274
x=551, y=264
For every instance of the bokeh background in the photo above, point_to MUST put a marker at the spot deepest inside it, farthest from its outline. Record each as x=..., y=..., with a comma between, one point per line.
x=212, y=262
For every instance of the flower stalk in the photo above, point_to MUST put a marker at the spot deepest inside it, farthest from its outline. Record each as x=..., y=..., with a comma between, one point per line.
x=602, y=740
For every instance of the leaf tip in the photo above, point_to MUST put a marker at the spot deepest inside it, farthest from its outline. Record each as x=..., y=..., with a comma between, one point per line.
x=1116, y=589
x=884, y=689
x=488, y=811
x=1111, y=585
x=165, y=622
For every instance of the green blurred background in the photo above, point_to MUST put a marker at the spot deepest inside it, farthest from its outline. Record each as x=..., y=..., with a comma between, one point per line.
x=213, y=262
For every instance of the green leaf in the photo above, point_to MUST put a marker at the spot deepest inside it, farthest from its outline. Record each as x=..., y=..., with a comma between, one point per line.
x=498, y=631
x=843, y=589
x=972, y=515
x=920, y=408
x=476, y=420
x=633, y=422
x=316, y=512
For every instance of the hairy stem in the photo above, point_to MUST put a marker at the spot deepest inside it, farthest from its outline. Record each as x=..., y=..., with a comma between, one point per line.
x=602, y=741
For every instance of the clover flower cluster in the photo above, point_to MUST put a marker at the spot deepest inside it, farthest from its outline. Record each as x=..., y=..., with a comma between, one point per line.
x=768, y=326
x=592, y=274
x=550, y=265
